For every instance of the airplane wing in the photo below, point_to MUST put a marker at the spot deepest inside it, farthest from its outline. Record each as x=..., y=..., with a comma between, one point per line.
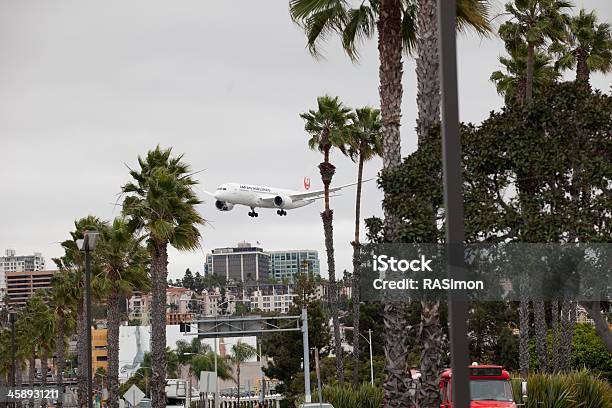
x=313, y=195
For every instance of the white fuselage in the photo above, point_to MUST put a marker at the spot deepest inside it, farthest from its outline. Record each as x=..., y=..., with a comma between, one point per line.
x=258, y=196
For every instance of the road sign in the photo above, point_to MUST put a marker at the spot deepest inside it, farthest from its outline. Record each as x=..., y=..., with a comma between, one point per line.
x=208, y=381
x=134, y=395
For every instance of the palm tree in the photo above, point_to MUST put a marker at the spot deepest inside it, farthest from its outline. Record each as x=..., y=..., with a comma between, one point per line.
x=473, y=14
x=63, y=295
x=73, y=261
x=327, y=129
x=395, y=21
x=364, y=143
x=240, y=353
x=588, y=48
x=511, y=83
x=534, y=22
x=161, y=202
x=123, y=261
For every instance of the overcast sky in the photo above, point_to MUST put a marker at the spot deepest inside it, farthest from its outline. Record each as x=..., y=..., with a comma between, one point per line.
x=87, y=86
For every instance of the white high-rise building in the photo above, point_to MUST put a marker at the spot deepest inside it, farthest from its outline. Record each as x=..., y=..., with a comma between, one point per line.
x=18, y=263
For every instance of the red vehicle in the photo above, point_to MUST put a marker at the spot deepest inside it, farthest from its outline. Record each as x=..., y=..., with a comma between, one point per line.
x=489, y=388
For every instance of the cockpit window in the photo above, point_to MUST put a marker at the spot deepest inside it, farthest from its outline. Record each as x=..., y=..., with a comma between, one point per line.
x=222, y=188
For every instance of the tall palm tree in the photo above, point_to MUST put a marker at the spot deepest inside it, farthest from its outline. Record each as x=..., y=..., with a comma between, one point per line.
x=240, y=353
x=511, y=83
x=588, y=48
x=327, y=127
x=63, y=295
x=395, y=21
x=534, y=22
x=73, y=261
x=364, y=143
x=160, y=201
x=470, y=14
x=123, y=261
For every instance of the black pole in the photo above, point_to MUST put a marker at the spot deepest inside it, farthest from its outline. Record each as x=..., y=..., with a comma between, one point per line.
x=13, y=379
x=89, y=324
x=453, y=200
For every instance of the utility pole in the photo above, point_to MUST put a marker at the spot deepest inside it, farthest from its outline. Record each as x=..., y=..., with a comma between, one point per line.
x=453, y=200
x=307, y=395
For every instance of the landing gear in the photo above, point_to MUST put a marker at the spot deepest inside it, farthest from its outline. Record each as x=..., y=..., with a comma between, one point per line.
x=252, y=213
x=281, y=212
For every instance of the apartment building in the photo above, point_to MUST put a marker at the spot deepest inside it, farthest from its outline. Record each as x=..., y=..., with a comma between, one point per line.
x=20, y=286
x=12, y=262
x=241, y=263
x=286, y=265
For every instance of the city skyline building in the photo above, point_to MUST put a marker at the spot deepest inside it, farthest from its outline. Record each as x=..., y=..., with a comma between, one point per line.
x=21, y=286
x=285, y=265
x=245, y=262
x=240, y=263
x=11, y=262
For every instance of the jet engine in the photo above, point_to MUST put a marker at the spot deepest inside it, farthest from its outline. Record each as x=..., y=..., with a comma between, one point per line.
x=223, y=206
x=282, y=201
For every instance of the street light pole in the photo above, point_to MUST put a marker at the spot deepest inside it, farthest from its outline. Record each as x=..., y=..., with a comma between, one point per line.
x=371, y=362
x=88, y=328
x=88, y=244
x=13, y=379
x=307, y=395
x=453, y=201
x=216, y=399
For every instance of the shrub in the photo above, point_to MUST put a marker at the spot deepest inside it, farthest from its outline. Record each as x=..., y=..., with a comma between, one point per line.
x=343, y=396
x=576, y=389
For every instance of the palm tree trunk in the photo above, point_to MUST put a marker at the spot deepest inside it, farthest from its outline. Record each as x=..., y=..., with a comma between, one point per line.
x=554, y=305
x=44, y=367
x=601, y=325
x=238, y=382
x=582, y=69
x=566, y=336
x=60, y=361
x=541, y=331
x=82, y=354
x=428, y=105
x=327, y=171
x=159, y=279
x=32, y=369
x=19, y=381
x=529, y=79
x=112, y=313
x=524, y=331
x=357, y=278
x=32, y=374
x=398, y=380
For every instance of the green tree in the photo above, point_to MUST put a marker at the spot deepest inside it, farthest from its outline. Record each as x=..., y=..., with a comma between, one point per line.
x=364, y=143
x=161, y=202
x=534, y=22
x=395, y=21
x=511, y=83
x=240, y=353
x=589, y=351
x=327, y=127
x=73, y=262
x=63, y=296
x=588, y=48
x=123, y=262
x=188, y=280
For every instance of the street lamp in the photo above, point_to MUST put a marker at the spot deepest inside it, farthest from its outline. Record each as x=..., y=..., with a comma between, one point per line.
x=88, y=245
x=369, y=340
x=12, y=319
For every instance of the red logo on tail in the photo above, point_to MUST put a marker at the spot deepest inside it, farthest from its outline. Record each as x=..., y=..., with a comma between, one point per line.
x=307, y=183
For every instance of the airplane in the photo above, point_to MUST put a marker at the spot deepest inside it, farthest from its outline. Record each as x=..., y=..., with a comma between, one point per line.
x=229, y=194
